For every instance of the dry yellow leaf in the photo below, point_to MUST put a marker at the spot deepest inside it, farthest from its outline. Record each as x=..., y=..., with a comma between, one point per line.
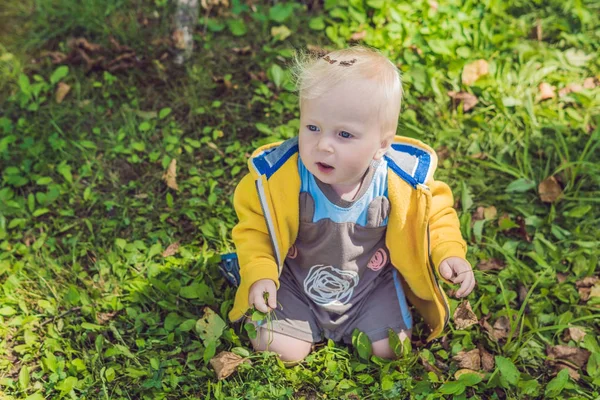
x=547, y=91
x=549, y=190
x=225, y=363
x=61, y=91
x=469, y=100
x=172, y=249
x=574, y=333
x=170, y=176
x=468, y=359
x=474, y=71
x=464, y=316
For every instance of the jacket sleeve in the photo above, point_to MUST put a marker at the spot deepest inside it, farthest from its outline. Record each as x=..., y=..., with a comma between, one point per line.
x=251, y=236
x=444, y=226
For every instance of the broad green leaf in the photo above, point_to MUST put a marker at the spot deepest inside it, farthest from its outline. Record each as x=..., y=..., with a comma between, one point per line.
x=557, y=384
x=7, y=311
x=466, y=198
x=67, y=385
x=520, y=185
x=58, y=74
x=65, y=170
x=36, y=396
x=110, y=374
x=259, y=315
x=24, y=377
x=507, y=370
x=210, y=350
x=171, y=321
x=144, y=126
x=453, y=387
x=196, y=291
x=276, y=74
x=593, y=365
x=91, y=327
x=317, y=24
x=210, y=326
x=237, y=27
x=281, y=12
x=362, y=344
x=120, y=243
x=250, y=330
x=187, y=325
x=469, y=379
x=164, y=113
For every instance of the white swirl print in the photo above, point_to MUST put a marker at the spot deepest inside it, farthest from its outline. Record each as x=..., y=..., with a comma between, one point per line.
x=329, y=286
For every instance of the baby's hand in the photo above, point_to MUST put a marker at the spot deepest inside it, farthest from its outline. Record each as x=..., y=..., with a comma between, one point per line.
x=458, y=270
x=257, y=295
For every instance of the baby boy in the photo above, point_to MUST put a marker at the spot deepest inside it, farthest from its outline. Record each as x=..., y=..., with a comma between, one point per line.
x=344, y=226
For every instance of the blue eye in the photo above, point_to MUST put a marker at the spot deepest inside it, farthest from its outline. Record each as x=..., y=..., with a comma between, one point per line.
x=312, y=128
x=345, y=135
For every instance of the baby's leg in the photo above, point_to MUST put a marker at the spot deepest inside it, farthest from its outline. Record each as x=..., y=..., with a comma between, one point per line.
x=385, y=308
x=382, y=348
x=292, y=329
x=289, y=349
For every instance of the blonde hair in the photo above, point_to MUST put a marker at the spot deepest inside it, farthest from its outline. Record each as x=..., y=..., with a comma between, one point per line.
x=316, y=74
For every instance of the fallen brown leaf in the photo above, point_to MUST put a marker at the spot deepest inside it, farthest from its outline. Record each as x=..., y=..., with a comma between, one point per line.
x=584, y=293
x=577, y=356
x=588, y=281
x=178, y=37
x=468, y=359
x=589, y=83
x=493, y=264
x=560, y=277
x=464, y=316
x=574, y=333
x=571, y=87
x=547, y=91
x=61, y=91
x=84, y=44
x=103, y=318
x=490, y=213
x=549, y=190
x=478, y=214
x=358, y=36
x=57, y=56
x=487, y=359
x=172, y=249
x=469, y=100
x=208, y=4
x=170, y=176
x=501, y=328
x=474, y=71
x=242, y=50
x=225, y=363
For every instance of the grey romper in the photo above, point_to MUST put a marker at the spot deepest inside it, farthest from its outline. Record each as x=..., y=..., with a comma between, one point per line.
x=337, y=275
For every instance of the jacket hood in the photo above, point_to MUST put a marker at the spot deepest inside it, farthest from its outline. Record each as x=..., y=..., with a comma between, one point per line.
x=412, y=160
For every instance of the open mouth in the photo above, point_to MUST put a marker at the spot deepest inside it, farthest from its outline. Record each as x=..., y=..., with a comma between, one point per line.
x=324, y=168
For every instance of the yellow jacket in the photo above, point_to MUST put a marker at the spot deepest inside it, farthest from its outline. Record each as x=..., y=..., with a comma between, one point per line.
x=423, y=228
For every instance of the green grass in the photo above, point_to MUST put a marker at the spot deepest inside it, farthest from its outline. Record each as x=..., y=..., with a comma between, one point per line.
x=89, y=306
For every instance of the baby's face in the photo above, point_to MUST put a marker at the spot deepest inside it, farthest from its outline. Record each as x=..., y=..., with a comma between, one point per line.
x=340, y=134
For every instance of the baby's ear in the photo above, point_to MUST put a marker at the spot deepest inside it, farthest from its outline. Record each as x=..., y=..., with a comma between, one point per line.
x=386, y=142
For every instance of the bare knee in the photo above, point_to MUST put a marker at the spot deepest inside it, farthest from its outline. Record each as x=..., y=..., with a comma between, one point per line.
x=382, y=348
x=289, y=349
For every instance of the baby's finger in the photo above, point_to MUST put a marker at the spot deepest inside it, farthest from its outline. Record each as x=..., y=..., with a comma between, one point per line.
x=272, y=298
x=467, y=285
x=445, y=270
x=259, y=304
